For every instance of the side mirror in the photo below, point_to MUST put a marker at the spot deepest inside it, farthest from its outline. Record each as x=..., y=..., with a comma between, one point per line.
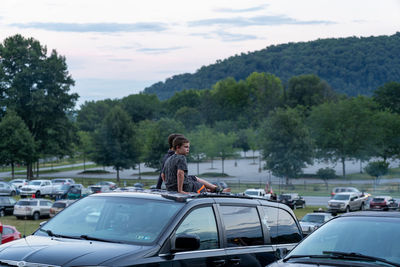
x=280, y=253
x=186, y=242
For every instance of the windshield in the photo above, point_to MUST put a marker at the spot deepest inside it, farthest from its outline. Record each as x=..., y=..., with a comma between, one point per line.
x=251, y=193
x=378, y=237
x=119, y=219
x=313, y=218
x=65, y=187
x=35, y=183
x=281, y=197
x=341, y=197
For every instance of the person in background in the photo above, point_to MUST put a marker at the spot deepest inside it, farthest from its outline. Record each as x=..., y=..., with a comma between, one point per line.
x=170, y=152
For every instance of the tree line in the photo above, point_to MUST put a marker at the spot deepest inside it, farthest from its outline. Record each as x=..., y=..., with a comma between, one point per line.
x=353, y=65
x=291, y=124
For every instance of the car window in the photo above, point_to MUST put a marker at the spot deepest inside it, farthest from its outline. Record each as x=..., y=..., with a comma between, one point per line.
x=242, y=226
x=1, y=185
x=7, y=231
x=201, y=222
x=281, y=225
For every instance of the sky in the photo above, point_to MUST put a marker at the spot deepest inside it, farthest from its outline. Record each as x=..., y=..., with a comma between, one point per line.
x=115, y=48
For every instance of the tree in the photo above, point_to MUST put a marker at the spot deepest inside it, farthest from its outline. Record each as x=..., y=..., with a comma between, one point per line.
x=142, y=107
x=286, y=143
x=85, y=146
x=325, y=174
x=377, y=169
x=36, y=86
x=17, y=144
x=115, y=142
x=92, y=113
x=308, y=90
x=342, y=130
x=388, y=96
x=225, y=146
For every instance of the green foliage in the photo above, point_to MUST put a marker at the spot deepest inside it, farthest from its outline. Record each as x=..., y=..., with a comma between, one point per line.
x=286, y=143
x=36, y=86
x=17, y=144
x=115, y=142
x=353, y=65
x=342, y=130
x=308, y=91
x=388, y=96
x=377, y=168
x=326, y=173
x=91, y=114
x=141, y=107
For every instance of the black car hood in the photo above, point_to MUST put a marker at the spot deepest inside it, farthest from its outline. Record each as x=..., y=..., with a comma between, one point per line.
x=63, y=251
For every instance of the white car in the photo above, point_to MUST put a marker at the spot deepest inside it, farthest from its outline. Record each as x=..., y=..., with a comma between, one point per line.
x=312, y=221
x=33, y=208
x=19, y=182
x=38, y=188
x=256, y=192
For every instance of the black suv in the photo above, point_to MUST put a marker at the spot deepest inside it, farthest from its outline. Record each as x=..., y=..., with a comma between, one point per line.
x=7, y=206
x=159, y=229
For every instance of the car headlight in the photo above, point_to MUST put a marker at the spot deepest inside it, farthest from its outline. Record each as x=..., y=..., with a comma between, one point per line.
x=342, y=205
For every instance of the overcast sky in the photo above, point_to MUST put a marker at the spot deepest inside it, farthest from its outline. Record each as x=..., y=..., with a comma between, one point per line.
x=115, y=48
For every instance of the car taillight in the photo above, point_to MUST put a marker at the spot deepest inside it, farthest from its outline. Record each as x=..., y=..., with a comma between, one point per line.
x=384, y=203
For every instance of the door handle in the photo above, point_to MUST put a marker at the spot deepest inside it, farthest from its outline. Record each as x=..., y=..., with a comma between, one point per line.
x=219, y=263
x=235, y=261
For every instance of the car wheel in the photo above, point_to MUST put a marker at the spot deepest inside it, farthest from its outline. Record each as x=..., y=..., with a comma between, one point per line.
x=36, y=216
x=13, y=193
x=18, y=217
x=362, y=206
x=303, y=206
x=37, y=194
x=2, y=213
x=294, y=206
x=347, y=209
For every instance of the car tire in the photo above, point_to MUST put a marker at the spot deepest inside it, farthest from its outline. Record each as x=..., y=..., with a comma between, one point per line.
x=19, y=217
x=13, y=193
x=36, y=216
x=294, y=206
x=37, y=194
x=2, y=213
x=303, y=206
x=362, y=206
x=347, y=209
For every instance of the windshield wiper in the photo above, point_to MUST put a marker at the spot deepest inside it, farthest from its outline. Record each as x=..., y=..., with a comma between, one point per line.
x=50, y=233
x=342, y=255
x=358, y=256
x=98, y=239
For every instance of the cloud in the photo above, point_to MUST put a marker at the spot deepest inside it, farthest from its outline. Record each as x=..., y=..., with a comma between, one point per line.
x=243, y=10
x=254, y=21
x=94, y=27
x=159, y=50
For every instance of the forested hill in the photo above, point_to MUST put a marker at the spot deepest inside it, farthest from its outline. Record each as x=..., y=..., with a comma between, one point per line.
x=350, y=65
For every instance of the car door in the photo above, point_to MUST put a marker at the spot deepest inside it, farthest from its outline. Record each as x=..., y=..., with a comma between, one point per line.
x=45, y=206
x=9, y=204
x=200, y=222
x=3, y=189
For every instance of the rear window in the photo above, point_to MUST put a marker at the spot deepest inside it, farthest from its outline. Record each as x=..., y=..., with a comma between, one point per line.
x=378, y=199
x=59, y=205
x=27, y=203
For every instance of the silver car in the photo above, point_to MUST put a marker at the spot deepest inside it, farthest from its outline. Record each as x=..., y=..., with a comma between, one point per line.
x=311, y=221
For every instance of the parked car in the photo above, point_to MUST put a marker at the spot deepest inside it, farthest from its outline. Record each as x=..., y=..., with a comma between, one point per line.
x=367, y=238
x=34, y=208
x=38, y=188
x=346, y=202
x=7, y=190
x=311, y=221
x=98, y=189
x=383, y=203
x=293, y=200
x=19, y=182
x=256, y=192
x=62, y=181
x=7, y=206
x=111, y=185
x=345, y=190
x=10, y=233
x=59, y=205
x=160, y=229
